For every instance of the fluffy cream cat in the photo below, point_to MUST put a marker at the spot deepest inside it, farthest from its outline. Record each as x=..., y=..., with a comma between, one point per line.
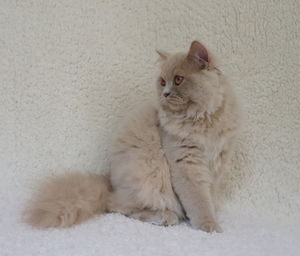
x=167, y=158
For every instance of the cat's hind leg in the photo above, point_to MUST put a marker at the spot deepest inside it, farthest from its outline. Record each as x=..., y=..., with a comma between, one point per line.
x=157, y=217
x=163, y=217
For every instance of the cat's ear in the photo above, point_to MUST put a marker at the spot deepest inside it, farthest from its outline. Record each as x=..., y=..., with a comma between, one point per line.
x=162, y=54
x=199, y=54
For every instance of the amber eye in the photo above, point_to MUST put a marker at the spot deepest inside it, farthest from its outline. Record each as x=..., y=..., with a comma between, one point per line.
x=178, y=80
x=162, y=82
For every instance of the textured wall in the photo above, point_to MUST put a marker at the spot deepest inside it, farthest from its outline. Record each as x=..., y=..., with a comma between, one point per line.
x=71, y=69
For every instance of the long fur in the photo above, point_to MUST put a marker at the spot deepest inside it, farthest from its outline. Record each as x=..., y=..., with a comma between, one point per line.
x=67, y=200
x=166, y=159
x=200, y=120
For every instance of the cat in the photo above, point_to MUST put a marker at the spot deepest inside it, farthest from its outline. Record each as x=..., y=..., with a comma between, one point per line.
x=167, y=159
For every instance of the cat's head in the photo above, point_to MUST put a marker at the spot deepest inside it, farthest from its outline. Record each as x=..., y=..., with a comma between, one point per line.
x=189, y=80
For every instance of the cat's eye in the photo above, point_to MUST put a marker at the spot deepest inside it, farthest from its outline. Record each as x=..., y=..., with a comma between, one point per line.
x=162, y=82
x=178, y=80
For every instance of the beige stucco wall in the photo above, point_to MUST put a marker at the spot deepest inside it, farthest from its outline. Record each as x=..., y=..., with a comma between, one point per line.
x=69, y=70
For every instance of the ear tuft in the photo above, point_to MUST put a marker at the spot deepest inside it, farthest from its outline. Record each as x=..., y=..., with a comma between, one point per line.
x=199, y=53
x=162, y=54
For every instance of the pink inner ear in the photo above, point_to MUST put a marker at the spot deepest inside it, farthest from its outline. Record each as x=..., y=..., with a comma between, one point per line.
x=198, y=51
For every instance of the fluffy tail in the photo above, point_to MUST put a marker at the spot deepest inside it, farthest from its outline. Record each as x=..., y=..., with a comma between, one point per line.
x=68, y=200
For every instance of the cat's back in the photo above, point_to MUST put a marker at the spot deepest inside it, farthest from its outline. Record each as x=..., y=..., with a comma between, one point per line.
x=139, y=172
x=138, y=130
x=141, y=117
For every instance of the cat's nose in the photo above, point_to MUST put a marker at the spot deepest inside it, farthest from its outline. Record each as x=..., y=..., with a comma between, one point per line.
x=166, y=94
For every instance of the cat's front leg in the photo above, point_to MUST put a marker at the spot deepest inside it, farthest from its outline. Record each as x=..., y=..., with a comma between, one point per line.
x=192, y=183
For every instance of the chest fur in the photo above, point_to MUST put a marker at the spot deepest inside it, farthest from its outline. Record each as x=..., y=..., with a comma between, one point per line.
x=200, y=142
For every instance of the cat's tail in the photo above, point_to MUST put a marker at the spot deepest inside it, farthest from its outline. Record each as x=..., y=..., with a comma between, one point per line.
x=67, y=200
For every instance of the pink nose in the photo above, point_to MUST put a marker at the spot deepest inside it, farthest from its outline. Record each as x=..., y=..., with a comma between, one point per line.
x=166, y=94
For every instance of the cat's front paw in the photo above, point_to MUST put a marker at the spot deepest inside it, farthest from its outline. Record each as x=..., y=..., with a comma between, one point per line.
x=170, y=218
x=210, y=227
